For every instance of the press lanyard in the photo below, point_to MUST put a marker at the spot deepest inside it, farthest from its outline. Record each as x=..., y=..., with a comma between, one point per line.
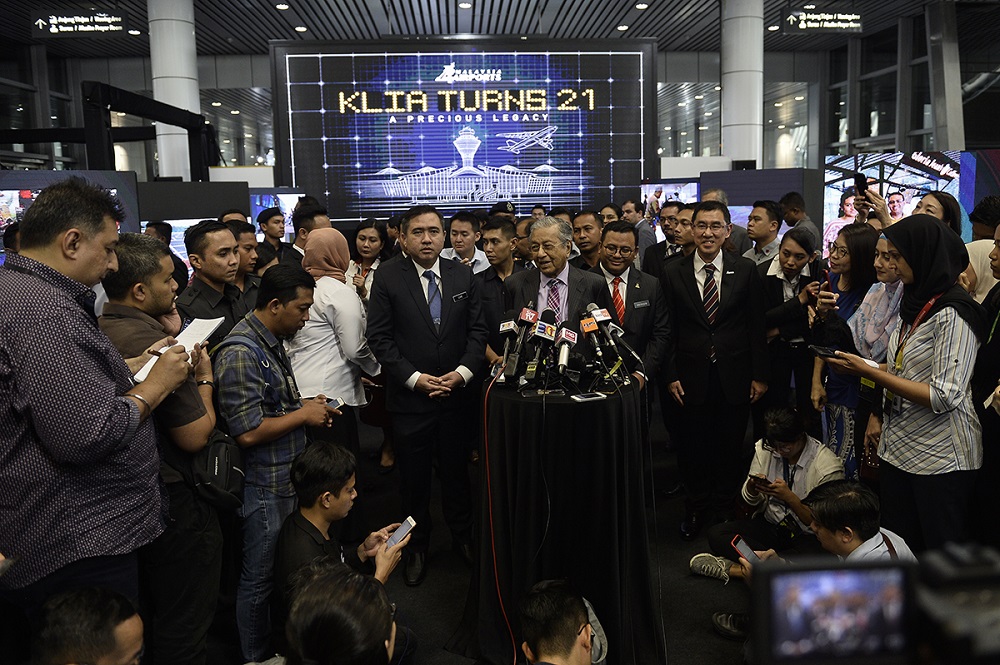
x=789, y=473
x=916, y=322
x=993, y=329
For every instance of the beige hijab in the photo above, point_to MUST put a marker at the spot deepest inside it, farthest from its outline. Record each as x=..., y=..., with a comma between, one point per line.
x=327, y=254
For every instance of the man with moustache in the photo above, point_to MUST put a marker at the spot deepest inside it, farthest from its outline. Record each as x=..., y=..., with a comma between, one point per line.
x=895, y=204
x=587, y=227
x=426, y=328
x=181, y=596
x=214, y=255
x=716, y=362
x=260, y=407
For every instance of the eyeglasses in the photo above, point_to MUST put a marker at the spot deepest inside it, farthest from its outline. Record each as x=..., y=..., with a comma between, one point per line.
x=715, y=227
x=777, y=446
x=840, y=251
x=624, y=251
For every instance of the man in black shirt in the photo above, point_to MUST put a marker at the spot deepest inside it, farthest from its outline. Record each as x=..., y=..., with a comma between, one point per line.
x=162, y=232
x=498, y=244
x=246, y=280
x=304, y=220
x=214, y=253
x=272, y=224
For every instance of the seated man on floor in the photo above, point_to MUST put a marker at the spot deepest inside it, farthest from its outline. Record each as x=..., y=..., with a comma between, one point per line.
x=556, y=625
x=323, y=476
x=87, y=625
x=787, y=466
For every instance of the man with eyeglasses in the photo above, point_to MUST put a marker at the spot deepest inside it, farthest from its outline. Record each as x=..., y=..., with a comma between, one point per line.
x=638, y=301
x=655, y=256
x=716, y=363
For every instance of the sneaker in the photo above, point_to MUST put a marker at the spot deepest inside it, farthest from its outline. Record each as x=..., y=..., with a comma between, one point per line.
x=732, y=625
x=710, y=565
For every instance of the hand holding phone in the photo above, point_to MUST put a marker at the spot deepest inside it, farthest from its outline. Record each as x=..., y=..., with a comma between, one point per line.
x=823, y=351
x=401, y=532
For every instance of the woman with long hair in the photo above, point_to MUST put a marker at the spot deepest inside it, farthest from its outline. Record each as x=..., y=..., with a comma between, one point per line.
x=847, y=214
x=371, y=247
x=944, y=207
x=930, y=444
x=852, y=272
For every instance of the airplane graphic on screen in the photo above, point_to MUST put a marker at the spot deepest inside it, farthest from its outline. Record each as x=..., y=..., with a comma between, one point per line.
x=518, y=141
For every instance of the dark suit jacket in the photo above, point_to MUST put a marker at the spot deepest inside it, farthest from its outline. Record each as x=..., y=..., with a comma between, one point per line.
x=739, y=335
x=790, y=318
x=584, y=288
x=647, y=324
x=404, y=339
x=654, y=259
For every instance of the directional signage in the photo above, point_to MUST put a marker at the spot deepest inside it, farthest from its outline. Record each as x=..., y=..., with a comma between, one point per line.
x=77, y=23
x=819, y=20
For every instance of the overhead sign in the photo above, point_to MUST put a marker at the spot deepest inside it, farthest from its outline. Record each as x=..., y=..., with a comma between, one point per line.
x=819, y=20
x=76, y=23
x=935, y=164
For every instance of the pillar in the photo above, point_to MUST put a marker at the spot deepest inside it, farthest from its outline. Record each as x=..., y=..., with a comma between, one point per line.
x=174, y=64
x=742, y=67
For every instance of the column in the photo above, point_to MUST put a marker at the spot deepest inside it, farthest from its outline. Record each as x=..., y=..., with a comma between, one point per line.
x=946, y=76
x=742, y=69
x=175, y=77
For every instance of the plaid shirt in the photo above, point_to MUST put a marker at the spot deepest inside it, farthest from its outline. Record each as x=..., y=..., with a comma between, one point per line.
x=245, y=400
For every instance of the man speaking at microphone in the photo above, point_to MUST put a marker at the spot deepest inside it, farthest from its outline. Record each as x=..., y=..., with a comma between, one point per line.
x=555, y=285
x=426, y=327
x=638, y=303
x=716, y=362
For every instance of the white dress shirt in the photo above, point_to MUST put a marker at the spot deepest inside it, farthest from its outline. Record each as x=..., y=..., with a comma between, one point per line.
x=699, y=273
x=330, y=352
x=425, y=283
x=479, y=262
x=622, y=287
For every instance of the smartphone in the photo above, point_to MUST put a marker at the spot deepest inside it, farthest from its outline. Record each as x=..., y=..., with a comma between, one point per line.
x=757, y=480
x=744, y=550
x=6, y=564
x=860, y=184
x=401, y=532
x=823, y=351
x=334, y=402
x=588, y=397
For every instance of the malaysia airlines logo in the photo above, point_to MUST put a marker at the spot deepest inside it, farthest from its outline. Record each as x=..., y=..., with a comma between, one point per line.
x=450, y=74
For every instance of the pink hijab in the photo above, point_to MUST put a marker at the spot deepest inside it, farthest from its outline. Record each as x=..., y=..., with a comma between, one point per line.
x=327, y=254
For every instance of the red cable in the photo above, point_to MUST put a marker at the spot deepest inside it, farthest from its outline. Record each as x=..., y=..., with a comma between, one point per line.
x=489, y=499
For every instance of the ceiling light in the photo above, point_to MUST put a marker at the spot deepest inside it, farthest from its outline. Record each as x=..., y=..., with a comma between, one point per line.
x=234, y=112
x=708, y=114
x=842, y=103
x=622, y=28
x=260, y=160
x=216, y=103
x=301, y=28
x=778, y=104
x=681, y=103
x=54, y=117
x=699, y=96
x=465, y=5
x=225, y=140
x=781, y=126
x=659, y=151
x=690, y=141
x=799, y=98
x=702, y=128
x=281, y=5
x=773, y=28
x=666, y=129
x=121, y=114
x=248, y=136
x=641, y=5
x=233, y=159
x=684, y=133
x=134, y=32
x=808, y=6
x=207, y=122
x=718, y=88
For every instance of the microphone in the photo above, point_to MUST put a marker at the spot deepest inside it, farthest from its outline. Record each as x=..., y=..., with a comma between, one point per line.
x=588, y=326
x=508, y=329
x=565, y=340
x=617, y=333
x=545, y=331
x=527, y=317
x=601, y=317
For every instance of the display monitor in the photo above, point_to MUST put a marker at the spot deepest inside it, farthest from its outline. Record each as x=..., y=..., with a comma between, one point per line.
x=262, y=198
x=376, y=128
x=18, y=190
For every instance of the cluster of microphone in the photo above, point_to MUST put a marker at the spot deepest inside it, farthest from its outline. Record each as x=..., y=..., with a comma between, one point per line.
x=539, y=356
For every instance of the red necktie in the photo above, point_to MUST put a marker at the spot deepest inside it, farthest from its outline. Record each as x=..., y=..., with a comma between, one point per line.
x=616, y=298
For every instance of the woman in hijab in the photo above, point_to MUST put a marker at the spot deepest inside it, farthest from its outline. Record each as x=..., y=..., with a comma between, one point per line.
x=931, y=443
x=330, y=352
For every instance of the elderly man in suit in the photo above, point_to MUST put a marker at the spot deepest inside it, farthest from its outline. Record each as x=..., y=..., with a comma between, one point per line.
x=716, y=363
x=426, y=328
x=555, y=285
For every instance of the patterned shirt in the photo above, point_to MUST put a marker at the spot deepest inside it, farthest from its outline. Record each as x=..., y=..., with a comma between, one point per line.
x=947, y=437
x=78, y=472
x=248, y=393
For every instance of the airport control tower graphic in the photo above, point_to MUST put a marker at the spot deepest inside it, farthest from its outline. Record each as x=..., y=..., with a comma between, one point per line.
x=467, y=183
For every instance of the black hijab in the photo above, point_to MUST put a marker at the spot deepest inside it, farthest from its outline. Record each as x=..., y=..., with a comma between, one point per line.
x=937, y=256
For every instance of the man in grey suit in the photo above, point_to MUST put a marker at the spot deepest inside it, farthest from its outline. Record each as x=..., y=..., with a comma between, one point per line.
x=427, y=329
x=555, y=285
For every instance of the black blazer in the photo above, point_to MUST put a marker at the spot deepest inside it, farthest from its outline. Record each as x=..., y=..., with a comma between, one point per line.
x=654, y=259
x=739, y=335
x=404, y=339
x=646, y=324
x=584, y=288
x=791, y=317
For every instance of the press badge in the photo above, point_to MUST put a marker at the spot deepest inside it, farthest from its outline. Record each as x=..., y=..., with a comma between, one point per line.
x=460, y=297
x=641, y=304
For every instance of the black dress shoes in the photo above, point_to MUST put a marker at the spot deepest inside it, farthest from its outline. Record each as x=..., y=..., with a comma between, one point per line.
x=691, y=526
x=415, y=568
x=465, y=552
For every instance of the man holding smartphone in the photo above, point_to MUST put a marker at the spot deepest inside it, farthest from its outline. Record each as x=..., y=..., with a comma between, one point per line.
x=787, y=465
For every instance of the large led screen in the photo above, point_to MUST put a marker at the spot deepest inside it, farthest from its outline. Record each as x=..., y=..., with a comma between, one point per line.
x=462, y=125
